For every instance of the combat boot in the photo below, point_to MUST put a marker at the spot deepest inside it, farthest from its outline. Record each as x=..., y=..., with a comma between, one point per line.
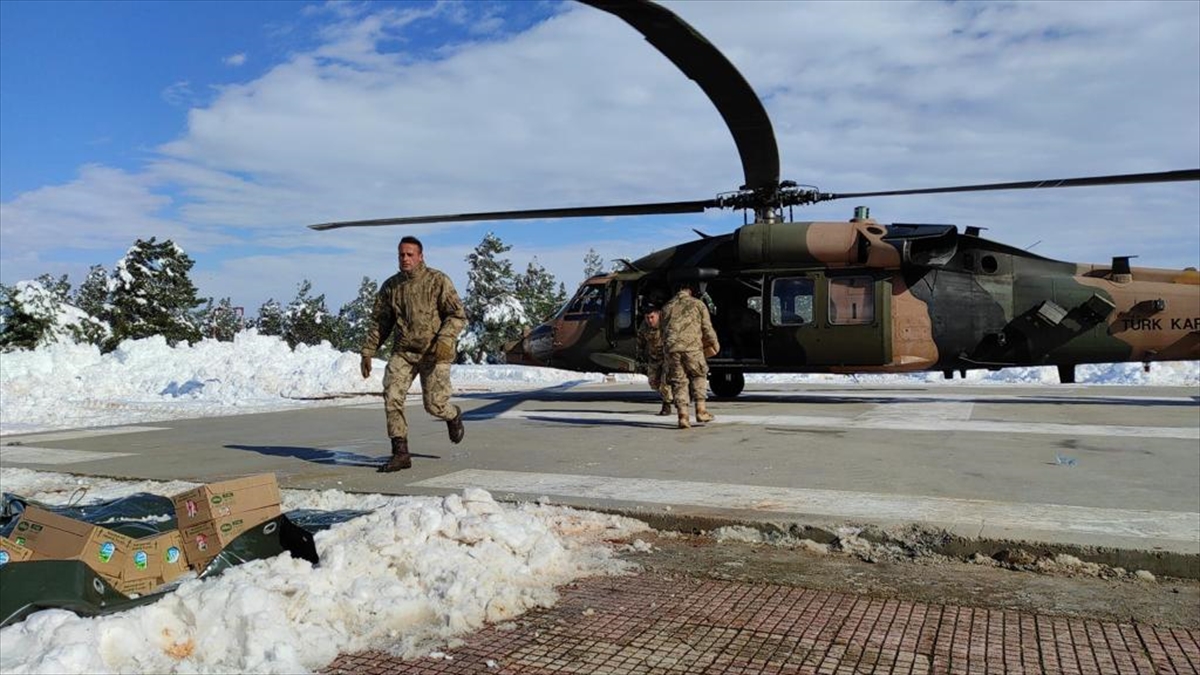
x=455, y=427
x=702, y=414
x=400, y=458
x=683, y=417
x=666, y=409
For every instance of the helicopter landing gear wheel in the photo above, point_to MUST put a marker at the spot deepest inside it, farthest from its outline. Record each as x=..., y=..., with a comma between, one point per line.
x=727, y=383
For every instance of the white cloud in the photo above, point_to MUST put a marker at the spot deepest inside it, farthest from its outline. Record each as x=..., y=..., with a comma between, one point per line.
x=581, y=110
x=179, y=94
x=235, y=60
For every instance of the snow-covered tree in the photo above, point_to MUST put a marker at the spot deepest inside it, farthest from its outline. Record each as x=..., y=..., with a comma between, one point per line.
x=270, y=318
x=36, y=313
x=354, y=316
x=60, y=288
x=535, y=289
x=22, y=325
x=92, y=294
x=494, y=313
x=306, y=321
x=221, y=321
x=152, y=294
x=593, y=264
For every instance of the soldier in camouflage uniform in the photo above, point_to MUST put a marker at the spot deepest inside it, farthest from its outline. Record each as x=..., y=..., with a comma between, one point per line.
x=650, y=354
x=421, y=309
x=688, y=340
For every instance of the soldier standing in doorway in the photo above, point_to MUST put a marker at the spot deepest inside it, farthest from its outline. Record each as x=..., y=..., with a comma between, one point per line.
x=650, y=354
x=419, y=307
x=688, y=340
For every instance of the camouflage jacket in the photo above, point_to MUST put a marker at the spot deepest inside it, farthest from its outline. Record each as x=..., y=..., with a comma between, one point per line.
x=417, y=309
x=686, y=325
x=649, y=344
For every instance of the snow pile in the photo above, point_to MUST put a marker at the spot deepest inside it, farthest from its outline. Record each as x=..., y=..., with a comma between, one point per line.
x=406, y=578
x=70, y=385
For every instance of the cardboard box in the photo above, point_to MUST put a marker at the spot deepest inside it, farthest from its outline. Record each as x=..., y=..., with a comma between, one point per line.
x=226, y=498
x=143, y=561
x=137, y=586
x=172, y=557
x=54, y=537
x=203, y=541
x=158, y=556
x=11, y=551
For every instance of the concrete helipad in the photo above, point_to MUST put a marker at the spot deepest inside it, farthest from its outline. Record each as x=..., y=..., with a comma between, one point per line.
x=1109, y=473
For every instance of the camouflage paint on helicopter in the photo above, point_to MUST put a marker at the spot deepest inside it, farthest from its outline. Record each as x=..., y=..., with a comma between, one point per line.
x=852, y=296
x=858, y=296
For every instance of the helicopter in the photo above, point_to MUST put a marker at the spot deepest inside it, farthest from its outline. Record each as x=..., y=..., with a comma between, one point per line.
x=855, y=296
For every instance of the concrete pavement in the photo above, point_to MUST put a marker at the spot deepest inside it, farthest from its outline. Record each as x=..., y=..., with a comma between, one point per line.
x=1111, y=474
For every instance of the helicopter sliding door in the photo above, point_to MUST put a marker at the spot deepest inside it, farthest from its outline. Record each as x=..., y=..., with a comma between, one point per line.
x=820, y=321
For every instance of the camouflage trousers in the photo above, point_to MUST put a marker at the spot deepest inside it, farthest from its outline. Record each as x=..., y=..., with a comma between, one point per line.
x=684, y=369
x=656, y=371
x=435, y=391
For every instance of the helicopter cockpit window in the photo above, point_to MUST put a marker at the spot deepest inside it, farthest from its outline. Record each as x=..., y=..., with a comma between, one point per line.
x=791, y=301
x=851, y=301
x=588, y=301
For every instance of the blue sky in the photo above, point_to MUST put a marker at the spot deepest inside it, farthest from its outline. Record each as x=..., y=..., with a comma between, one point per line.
x=228, y=126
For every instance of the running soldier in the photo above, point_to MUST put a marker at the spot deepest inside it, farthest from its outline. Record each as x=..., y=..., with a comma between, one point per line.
x=419, y=307
x=688, y=340
x=650, y=354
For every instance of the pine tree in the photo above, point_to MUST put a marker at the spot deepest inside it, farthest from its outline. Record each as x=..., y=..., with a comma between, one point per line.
x=92, y=294
x=21, y=326
x=354, y=316
x=593, y=264
x=494, y=313
x=59, y=288
x=92, y=298
x=535, y=290
x=306, y=321
x=36, y=313
x=152, y=294
x=221, y=321
x=270, y=318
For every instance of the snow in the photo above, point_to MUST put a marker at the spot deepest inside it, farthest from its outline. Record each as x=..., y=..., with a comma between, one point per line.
x=65, y=386
x=406, y=578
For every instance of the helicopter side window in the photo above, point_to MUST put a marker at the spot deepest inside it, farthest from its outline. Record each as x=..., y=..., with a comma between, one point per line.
x=851, y=301
x=791, y=301
x=625, y=309
x=588, y=302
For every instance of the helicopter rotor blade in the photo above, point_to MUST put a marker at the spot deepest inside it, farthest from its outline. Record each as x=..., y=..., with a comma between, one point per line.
x=656, y=208
x=1123, y=179
x=720, y=80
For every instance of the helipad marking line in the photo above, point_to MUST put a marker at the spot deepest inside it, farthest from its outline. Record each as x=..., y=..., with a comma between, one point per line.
x=920, y=422
x=31, y=454
x=77, y=433
x=868, y=506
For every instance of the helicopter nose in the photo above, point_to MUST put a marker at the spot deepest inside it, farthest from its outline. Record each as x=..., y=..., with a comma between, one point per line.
x=529, y=349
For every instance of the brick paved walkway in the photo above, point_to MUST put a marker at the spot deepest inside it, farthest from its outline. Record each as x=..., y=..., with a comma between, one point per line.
x=678, y=625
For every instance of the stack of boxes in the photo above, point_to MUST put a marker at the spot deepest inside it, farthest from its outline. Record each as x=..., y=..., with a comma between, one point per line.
x=209, y=517
x=212, y=515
